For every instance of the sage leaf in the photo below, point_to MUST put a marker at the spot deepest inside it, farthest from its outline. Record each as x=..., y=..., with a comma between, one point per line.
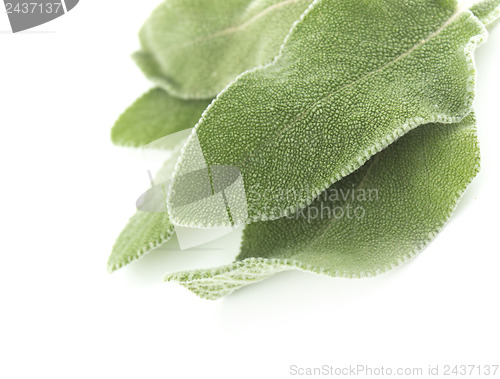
x=487, y=11
x=155, y=115
x=194, y=48
x=418, y=180
x=145, y=231
x=351, y=78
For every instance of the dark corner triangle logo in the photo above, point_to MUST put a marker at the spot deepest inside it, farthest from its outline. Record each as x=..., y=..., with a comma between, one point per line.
x=26, y=14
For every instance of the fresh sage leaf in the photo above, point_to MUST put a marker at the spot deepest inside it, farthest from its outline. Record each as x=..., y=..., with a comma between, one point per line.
x=146, y=230
x=487, y=11
x=376, y=218
x=155, y=115
x=351, y=78
x=195, y=48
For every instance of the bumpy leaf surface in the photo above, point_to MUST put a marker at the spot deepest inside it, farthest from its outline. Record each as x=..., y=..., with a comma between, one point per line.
x=154, y=115
x=145, y=231
x=352, y=77
x=488, y=11
x=194, y=48
x=398, y=201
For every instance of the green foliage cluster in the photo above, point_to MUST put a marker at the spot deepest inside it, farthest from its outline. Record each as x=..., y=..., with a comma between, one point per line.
x=359, y=110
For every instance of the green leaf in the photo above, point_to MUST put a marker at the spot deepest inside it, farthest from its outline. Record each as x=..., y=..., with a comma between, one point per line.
x=487, y=11
x=194, y=48
x=154, y=115
x=407, y=193
x=145, y=231
x=353, y=76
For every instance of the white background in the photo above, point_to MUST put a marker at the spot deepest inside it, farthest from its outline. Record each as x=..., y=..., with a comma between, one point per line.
x=66, y=192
